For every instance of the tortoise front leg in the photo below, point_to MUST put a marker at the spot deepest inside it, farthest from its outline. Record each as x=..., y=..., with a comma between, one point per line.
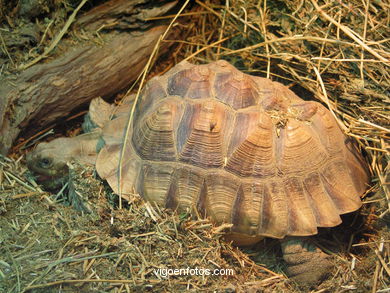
x=307, y=264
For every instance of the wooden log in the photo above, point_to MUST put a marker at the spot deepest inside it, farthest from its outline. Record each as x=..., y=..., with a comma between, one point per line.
x=45, y=92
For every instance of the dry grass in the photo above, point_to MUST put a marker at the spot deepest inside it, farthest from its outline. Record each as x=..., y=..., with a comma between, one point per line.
x=335, y=52
x=46, y=245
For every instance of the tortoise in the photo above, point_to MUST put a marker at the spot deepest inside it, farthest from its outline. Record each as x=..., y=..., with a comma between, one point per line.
x=238, y=148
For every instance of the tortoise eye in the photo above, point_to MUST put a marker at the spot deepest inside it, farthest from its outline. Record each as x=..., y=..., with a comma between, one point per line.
x=45, y=163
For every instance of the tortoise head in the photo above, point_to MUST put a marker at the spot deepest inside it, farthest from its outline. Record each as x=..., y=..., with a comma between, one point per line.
x=48, y=162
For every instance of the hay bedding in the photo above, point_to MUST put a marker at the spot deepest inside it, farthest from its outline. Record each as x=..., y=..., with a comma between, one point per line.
x=47, y=246
x=335, y=52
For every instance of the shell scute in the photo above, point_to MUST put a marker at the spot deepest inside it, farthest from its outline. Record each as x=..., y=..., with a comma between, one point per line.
x=153, y=92
x=193, y=83
x=300, y=149
x=155, y=182
x=236, y=89
x=276, y=211
x=202, y=134
x=153, y=137
x=249, y=213
x=325, y=210
x=339, y=185
x=253, y=146
x=220, y=206
x=189, y=183
x=301, y=218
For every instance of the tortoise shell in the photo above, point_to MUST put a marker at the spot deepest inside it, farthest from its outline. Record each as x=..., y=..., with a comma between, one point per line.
x=238, y=148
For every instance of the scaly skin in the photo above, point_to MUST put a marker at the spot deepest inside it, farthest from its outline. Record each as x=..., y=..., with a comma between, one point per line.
x=307, y=264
